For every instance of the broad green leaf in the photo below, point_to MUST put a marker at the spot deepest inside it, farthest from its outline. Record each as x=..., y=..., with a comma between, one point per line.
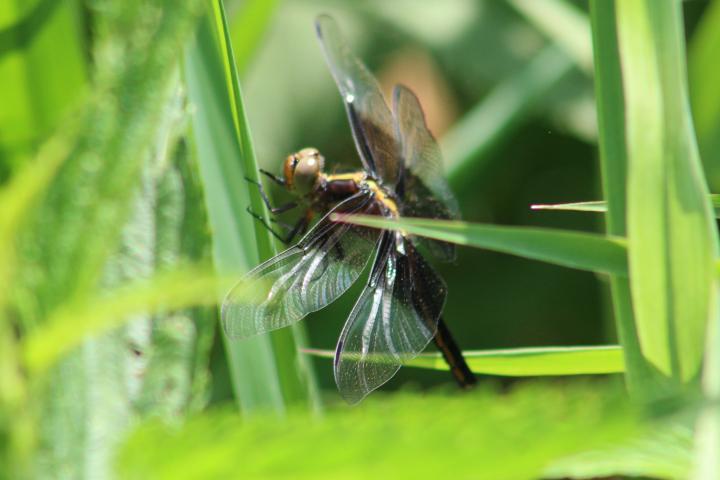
x=266, y=371
x=524, y=362
x=672, y=239
x=563, y=22
x=63, y=253
x=475, y=434
x=584, y=251
x=601, y=206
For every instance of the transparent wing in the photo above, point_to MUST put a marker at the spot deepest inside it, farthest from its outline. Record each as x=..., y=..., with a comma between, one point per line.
x=423, y=188
x=303, y=278
x=370, y=118
x=393, y=320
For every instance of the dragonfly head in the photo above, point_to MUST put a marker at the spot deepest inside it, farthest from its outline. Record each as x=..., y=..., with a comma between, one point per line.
x=302, y=170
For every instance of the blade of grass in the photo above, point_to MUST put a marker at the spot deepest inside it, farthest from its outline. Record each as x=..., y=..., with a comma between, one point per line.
x=248, y=29
x=601, y=206
x=266, y=371
x=524, y=362
x=591, y=206
x=30, y=55
x=295, y=375
x=564, y=23
x=467, y=146
x=707, y=428
x=671, y=234
x=704, y=77
x=584, y=251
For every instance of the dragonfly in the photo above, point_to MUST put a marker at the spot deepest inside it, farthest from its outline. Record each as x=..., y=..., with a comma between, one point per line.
x=399, y=312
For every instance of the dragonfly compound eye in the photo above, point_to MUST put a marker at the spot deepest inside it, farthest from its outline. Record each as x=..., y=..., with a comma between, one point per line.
x=307, y=170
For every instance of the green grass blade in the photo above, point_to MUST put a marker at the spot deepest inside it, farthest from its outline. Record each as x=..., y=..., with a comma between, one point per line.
x=266, y=371
x=704, y=77
x=296, y=377
x=591, y=206
x=41, y=78
x=564, y=23
x=467, y=146
x=524, y=362
x=248, y=29
x=601, y=206
x=671, y=233
x=585, y=251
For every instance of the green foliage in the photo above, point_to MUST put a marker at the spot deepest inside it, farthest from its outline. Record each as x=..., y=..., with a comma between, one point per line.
x=401, y=436
x=666, y=192
x=125, y=146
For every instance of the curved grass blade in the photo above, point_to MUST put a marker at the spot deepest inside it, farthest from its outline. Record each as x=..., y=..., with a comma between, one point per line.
x=524, y=362
x=610, y=107
x=266, y=371
x=585, y=251
x=672, y=238
x=248, y=29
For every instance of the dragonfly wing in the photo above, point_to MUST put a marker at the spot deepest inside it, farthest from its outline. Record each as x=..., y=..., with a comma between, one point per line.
x=393, y=320
x=303, y=278
x=370, y=118
x=424, y=191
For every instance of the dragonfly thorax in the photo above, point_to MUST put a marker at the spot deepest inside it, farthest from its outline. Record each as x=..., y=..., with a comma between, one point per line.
x=302, y=170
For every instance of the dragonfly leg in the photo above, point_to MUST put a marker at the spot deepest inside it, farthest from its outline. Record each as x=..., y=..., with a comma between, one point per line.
x=300, y=226
x=266, y=200
x=279, y=180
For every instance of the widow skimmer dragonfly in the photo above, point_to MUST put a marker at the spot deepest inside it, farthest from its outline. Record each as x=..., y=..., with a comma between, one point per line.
x=399, y=311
